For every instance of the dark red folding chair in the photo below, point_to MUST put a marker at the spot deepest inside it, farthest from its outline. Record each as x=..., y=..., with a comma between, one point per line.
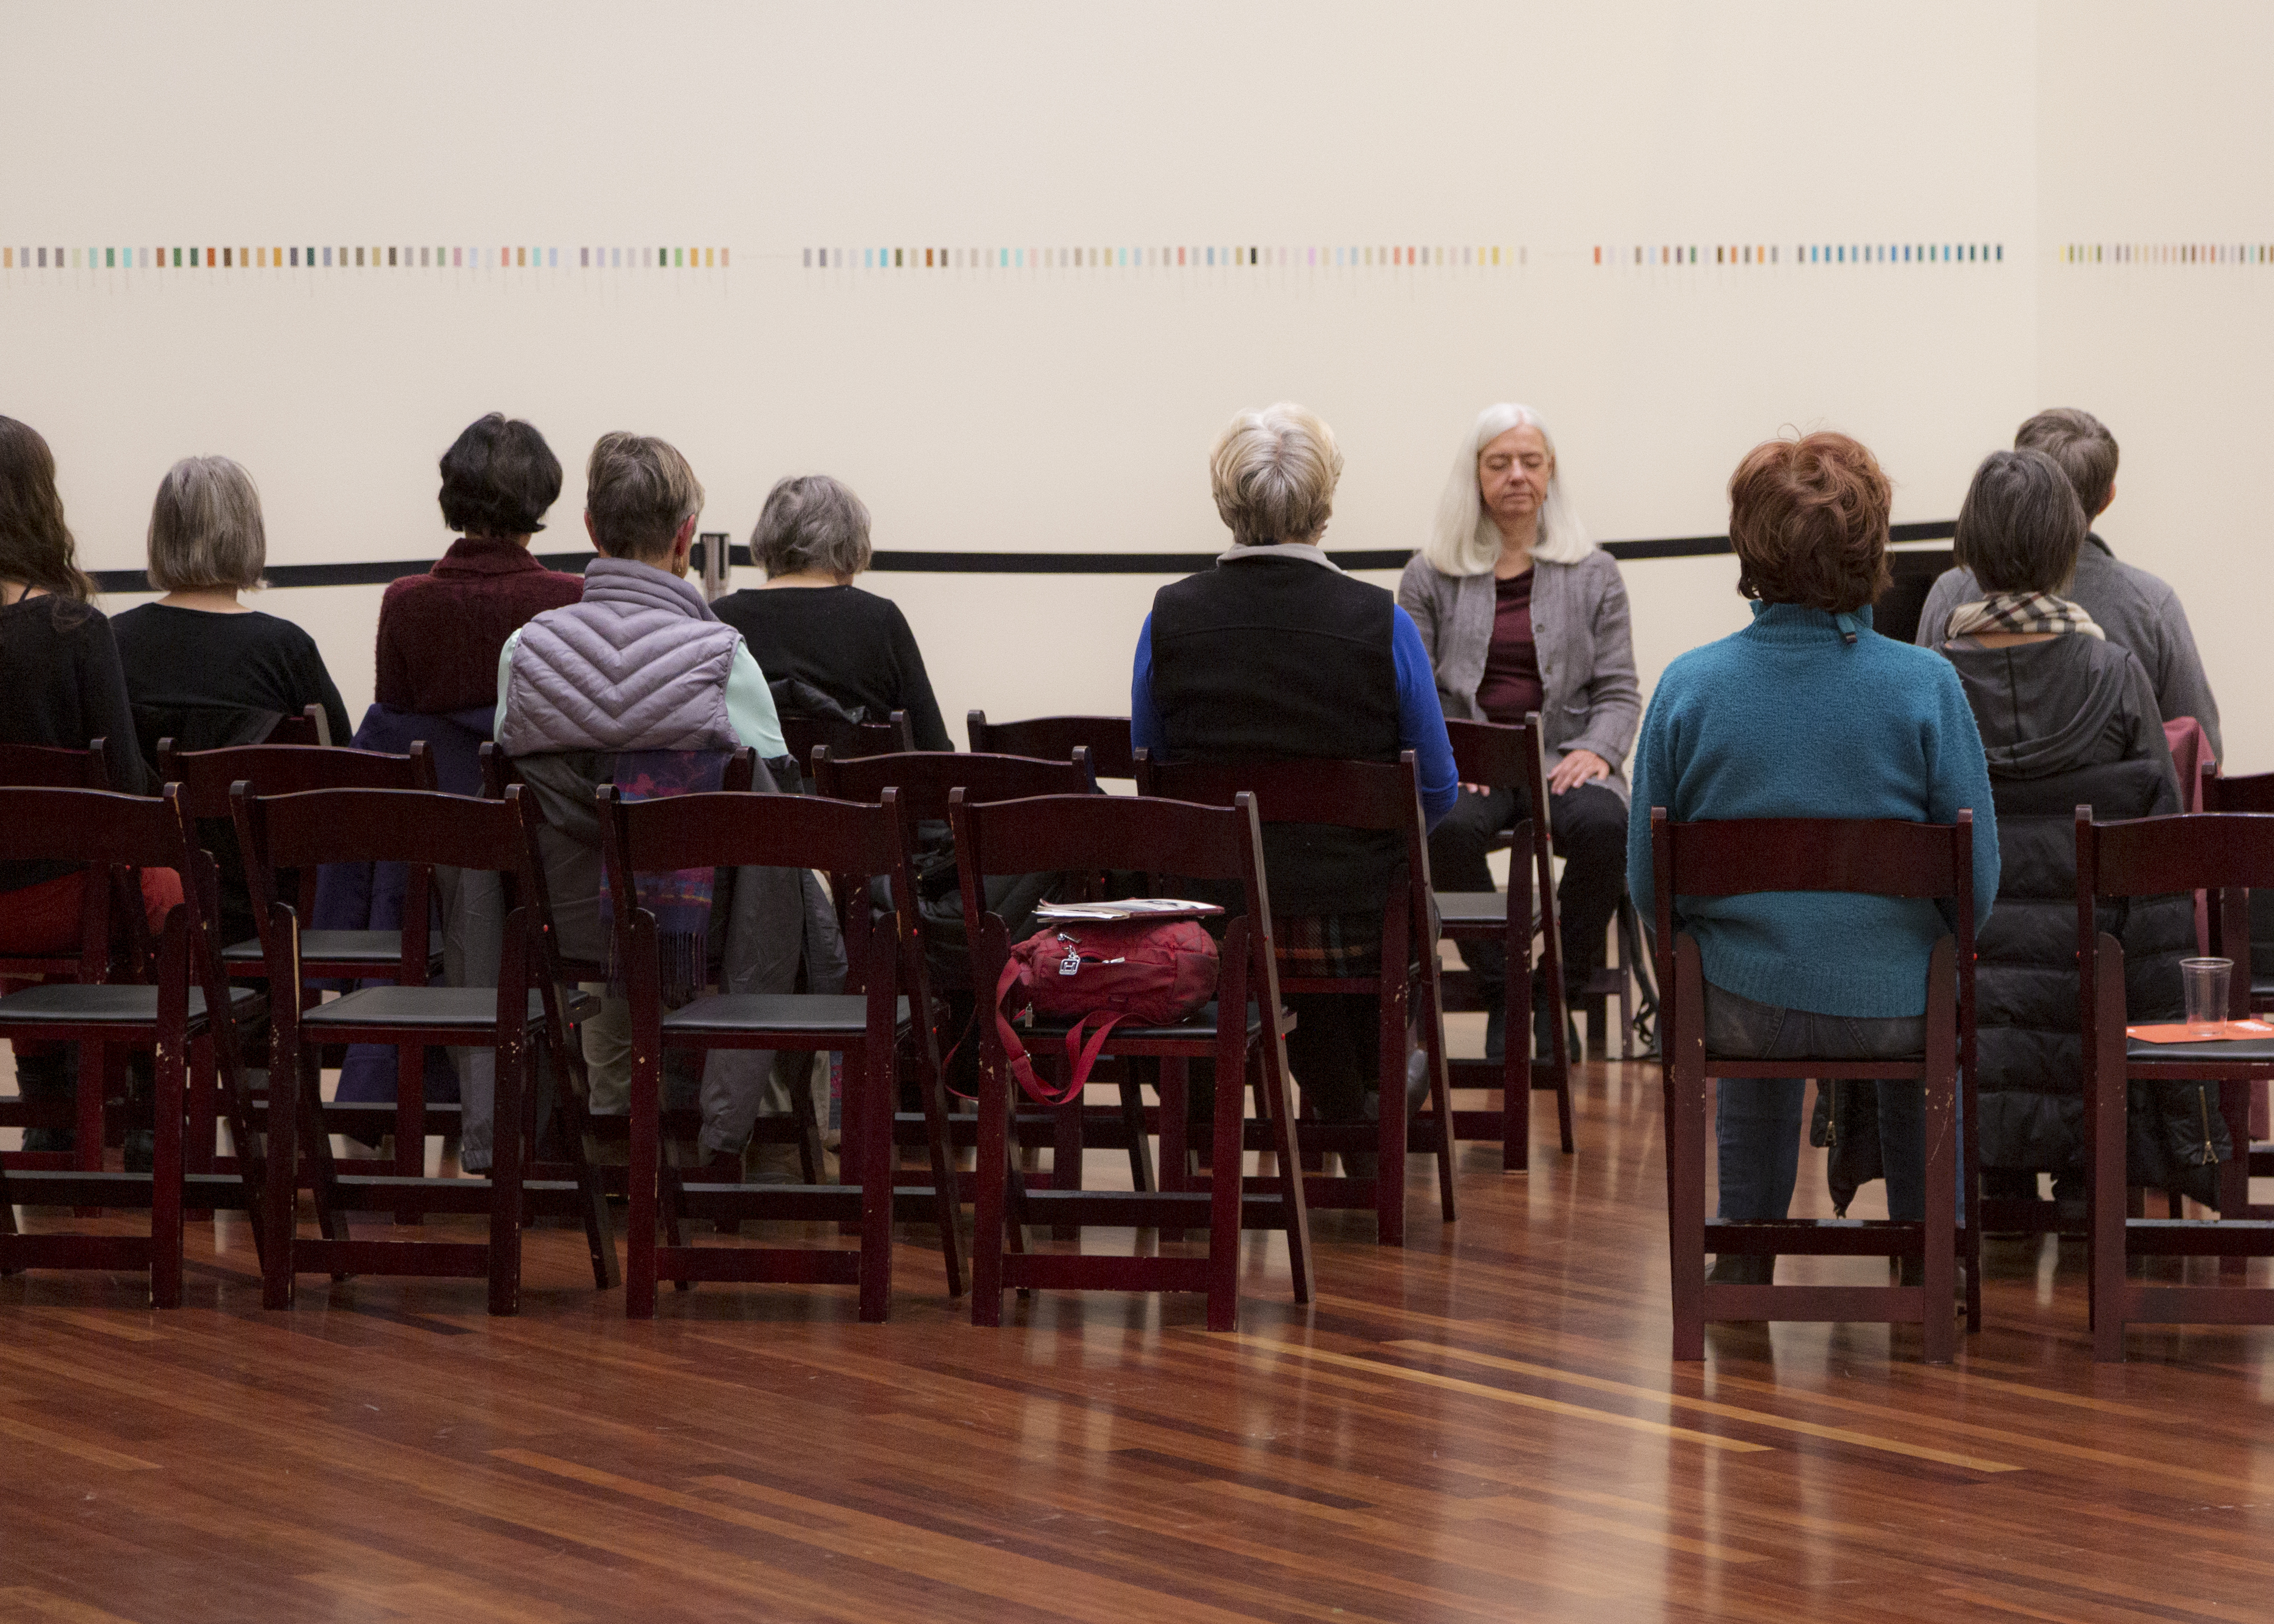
x=2227, y=854
x=420, y=829
x=1052, y=737
x=1092, y=834
x=1870, y=857
x=725, y=830
x=187, y=1017
x=1509, y=757
x=1365, y=796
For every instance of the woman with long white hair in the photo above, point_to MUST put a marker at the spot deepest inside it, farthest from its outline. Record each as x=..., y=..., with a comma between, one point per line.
x=1524, y=615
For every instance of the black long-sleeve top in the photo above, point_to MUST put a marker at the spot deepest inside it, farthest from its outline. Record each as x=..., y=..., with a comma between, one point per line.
x=198, y=658
x=61, y=685
x=853, y=645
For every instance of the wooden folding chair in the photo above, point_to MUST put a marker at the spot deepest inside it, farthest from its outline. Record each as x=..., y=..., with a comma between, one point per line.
x=2226, y=854
x=924, y=779
x=2252, y=792
x=176, y=1017
x=1051, y=738
x=725, y=830
x=846, y=740
x=1509, y=757
x=32, y=766
x=1369, y=795
x=289, y=769
x=420, y=829
x=1095, y=833
x=1870, y=857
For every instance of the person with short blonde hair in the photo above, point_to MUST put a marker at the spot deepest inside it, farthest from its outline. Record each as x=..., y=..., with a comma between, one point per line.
x=2136, y=611
x=1276, y=652
x=203, y=667
x=827, y=646
x=1523, y=616
x=1808, y=713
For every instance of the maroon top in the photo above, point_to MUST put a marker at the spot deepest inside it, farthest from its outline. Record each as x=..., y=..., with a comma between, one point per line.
x=1510, y=687
x=439, y=633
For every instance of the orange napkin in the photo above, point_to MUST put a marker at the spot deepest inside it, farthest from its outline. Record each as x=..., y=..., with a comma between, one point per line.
x=2180, y=1032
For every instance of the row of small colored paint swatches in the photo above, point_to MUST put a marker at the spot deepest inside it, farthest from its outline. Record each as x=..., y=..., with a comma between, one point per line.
x=1805, y=253
x=396, y=257
x=1313, y=255
x=2167, y=253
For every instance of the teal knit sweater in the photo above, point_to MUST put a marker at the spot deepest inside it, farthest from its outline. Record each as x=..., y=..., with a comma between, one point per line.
x=1788, y=718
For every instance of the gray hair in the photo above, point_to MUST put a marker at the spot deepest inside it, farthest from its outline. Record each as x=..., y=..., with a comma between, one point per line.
x=639, y=490
x=1464, y=541
x=2021, y=524
x=811, y=522
x=2081, y=444
x=205, y=529
x=1274, y=473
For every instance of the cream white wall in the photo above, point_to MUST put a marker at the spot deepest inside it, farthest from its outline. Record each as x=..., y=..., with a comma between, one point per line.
x=1057, y=411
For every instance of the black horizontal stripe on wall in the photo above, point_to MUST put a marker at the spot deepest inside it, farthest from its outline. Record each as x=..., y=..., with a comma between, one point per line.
x=905, y=562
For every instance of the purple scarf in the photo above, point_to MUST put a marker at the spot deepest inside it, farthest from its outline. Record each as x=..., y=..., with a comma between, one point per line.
x=679, y=898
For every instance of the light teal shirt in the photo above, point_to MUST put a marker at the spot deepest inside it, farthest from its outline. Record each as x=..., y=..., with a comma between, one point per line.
x=749, y=702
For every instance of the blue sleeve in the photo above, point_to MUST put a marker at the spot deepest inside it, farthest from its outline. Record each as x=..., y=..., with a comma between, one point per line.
x=1959, y=780
x=1654, y=783
x=1421, y=720
x=1144, y=720
x=750, y=705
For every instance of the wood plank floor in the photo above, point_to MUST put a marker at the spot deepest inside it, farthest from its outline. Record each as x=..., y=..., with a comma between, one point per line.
x=1485, y=1425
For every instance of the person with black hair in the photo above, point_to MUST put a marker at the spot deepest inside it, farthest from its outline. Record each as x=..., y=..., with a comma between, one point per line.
x=440, y=633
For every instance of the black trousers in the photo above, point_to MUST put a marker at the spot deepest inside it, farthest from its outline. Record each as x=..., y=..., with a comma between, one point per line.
x=1589, y=826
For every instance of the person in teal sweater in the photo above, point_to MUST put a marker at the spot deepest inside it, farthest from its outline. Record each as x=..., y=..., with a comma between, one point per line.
x=1808, y=713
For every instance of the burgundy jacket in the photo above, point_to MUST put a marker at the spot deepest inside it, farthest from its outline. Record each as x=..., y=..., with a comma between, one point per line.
x=439, y=633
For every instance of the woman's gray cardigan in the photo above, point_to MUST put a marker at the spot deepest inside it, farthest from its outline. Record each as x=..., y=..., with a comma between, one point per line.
x=1590, y=700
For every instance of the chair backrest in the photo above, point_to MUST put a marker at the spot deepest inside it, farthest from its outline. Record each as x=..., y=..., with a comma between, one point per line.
x=1347, y=795
x=1499, y=755
x=924, y=778
x=1051, y=738
x=498, y=771
x=2254, y=792
x=111, y=832
x=311, y=727
x=1092, y=833
x=847, y=739
x=39, y=766
x=422, y=828
x=206, y=775
x=2227, y=853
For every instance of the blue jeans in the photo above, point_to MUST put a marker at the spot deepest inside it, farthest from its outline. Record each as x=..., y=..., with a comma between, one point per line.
x=1757, y=1119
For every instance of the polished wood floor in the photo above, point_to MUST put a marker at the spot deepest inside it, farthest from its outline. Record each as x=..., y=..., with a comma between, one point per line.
x=1484, y=1425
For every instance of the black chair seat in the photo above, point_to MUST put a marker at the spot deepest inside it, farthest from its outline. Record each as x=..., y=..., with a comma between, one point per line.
x=1202, y=1027
x=801, y=1014
x=2214, y=1049
x=69, y=1004
x=1472, y=909
x=472, y=1009
x=363, y=947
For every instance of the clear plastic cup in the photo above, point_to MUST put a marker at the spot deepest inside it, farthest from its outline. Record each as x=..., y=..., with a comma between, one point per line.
x=2205, y=981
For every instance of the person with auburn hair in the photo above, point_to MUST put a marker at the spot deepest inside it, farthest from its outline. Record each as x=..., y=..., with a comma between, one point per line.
x=1276, y=653
x=2135, y=610
x=62, y=686
x=1521, y=614
x=2067, y=718
x=1808, y=713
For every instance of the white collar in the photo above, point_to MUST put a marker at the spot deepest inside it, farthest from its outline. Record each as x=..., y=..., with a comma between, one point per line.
x=1310, y=553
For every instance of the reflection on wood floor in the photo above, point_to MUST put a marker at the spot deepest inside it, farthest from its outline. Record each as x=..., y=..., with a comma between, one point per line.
x=1483, y=1425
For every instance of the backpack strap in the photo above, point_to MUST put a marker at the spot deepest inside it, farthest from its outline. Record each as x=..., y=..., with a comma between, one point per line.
x=1081, y=1051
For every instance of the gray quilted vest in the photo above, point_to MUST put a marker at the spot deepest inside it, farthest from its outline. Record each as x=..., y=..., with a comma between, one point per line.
x=641, y=663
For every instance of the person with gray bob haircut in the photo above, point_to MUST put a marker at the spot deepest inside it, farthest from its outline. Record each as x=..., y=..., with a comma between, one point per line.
x=2135, y=610
x=824, y=642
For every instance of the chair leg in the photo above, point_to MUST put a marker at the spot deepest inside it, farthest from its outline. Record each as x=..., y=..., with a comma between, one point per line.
x=1685, y=1152
x=410, y=1120
x=872, y=1160
x=87, y=1132
x=509, y=1155
x=197, y=1146
x=948, y=1209
x=991, y=1171
x=1516, y=1067
x=1226, y=1185
x=1272, y=1104
x=1176, y=1168
x=2105, y=1100
x=1389, y=1168
x=1432, y=1019
x=1132, y=1122
x=281, y=1190
x=645, y=1158
x=167, y=1105
x=1065, y=1151
x=1937, y=1335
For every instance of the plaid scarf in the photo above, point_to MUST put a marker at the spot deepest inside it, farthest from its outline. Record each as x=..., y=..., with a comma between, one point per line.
x=2022, y=611
x=679, y=898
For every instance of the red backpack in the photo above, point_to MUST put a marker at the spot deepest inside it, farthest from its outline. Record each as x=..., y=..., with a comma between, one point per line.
x=1154, y=972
